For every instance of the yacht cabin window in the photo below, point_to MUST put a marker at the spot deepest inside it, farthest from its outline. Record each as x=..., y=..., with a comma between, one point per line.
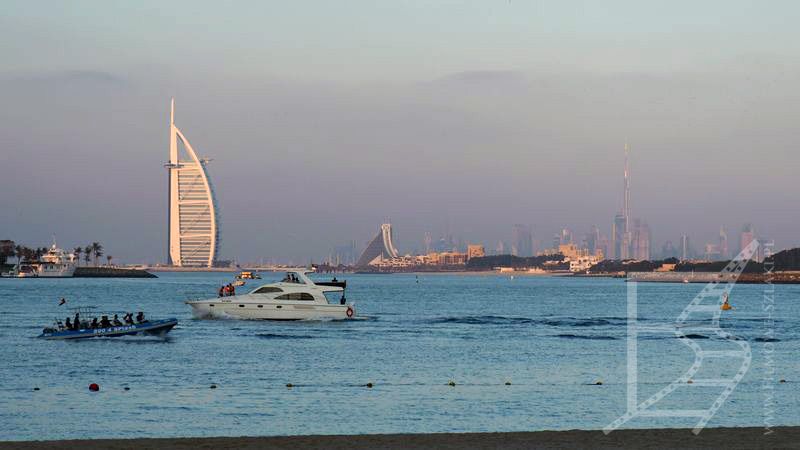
x=295, y=296
x=267, y=290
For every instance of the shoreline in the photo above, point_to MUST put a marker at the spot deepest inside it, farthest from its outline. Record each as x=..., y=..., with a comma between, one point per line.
x=729, y=437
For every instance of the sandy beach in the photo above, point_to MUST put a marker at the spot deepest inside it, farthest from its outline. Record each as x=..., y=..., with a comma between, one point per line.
x=729, y=438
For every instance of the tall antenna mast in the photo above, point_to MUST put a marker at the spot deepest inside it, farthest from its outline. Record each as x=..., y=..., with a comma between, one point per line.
x=626, y=201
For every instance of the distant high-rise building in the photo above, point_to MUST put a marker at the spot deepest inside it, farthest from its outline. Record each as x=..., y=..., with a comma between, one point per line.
x=603, y=248
x=428, y=242
x=711, y=252
x=345, y=254
x=621, y=235
x=501, y=248
x=522, y=241
x=592, y=240
x=381, y=247
x=461, y=245
x=640, y=240
x=686, y=249
x=668, y=250
x=566, y=236
x=556, y=241
x=724, y=251
x=620, y=238
x=193, y=239
x=761, y=251
x=747, y=236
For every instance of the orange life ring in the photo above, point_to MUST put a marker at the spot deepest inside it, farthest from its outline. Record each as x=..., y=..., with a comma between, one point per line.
x=349, y=312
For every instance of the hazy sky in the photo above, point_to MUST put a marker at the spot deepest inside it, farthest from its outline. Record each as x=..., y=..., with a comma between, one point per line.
x=325, y=118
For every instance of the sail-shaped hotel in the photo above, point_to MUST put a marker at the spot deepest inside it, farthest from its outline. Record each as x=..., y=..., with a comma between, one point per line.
x=193, y=214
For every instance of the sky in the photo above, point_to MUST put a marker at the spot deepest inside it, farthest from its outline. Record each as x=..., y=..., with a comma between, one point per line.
x=324, y=119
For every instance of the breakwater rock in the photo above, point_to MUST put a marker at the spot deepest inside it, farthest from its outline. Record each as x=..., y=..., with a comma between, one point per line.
x=707, y=277
x=111, y=272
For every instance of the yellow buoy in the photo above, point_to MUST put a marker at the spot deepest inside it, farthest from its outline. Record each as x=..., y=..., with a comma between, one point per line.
x=725, y=305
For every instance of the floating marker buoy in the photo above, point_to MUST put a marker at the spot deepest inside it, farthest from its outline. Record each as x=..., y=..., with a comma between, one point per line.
x=289, y=385
x=94, y=387
x=508, y=383
x=369, y=385
x=451, y=383
x=213, y=386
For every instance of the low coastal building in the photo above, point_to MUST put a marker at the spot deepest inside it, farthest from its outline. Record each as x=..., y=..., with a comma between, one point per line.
x=475, y=251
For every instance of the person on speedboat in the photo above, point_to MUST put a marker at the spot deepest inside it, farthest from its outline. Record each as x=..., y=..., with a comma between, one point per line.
x=117, y=323
x=76, y=323
x=94, y=323
x=140, y=317
x=105, y=323
x=128, y=318
x=68, y=325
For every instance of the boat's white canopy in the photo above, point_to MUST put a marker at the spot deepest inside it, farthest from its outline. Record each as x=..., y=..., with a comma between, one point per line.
x=303, y=282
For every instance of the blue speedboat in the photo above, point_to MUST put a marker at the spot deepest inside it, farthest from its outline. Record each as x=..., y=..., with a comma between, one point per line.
x=85, y=330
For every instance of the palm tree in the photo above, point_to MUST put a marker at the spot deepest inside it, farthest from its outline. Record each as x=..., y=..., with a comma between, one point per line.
x=87, y=254
x=5, y=253
x=97, y=249
x=77, y=252
x=108, y=259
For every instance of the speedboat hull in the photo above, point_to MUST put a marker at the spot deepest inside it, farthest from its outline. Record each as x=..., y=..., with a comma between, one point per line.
x=150, y=328
x=230, y=308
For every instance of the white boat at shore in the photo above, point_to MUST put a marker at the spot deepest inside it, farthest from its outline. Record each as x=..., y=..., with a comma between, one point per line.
x=296, y=297
x=55, y=263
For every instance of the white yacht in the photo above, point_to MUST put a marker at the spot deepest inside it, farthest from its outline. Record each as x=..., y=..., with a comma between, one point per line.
x=54, y=264
x=296, y=297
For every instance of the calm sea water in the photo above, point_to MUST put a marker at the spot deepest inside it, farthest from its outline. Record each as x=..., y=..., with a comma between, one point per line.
x=551, y=338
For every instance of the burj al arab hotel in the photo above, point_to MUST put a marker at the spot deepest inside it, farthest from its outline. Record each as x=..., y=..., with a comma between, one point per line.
x=193, y=215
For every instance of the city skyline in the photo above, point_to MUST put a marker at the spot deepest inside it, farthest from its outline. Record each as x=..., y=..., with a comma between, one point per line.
x=484, y=133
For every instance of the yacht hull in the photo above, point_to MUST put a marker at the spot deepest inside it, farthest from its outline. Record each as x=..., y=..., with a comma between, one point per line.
x=231, y=308
x=66, y=273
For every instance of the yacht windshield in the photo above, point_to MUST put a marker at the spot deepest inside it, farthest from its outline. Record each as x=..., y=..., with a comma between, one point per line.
x=292, y=277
